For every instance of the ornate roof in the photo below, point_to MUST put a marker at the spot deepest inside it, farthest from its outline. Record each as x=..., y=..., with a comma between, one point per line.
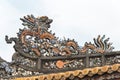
x=39, y=52
x=104, y=72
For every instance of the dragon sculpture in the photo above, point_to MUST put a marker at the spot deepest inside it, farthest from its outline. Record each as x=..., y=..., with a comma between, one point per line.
x=100, y=45
x=36, y=41
x=38, y=50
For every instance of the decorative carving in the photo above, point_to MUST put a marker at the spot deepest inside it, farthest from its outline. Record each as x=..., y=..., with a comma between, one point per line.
x=63, y=64
x=39, y=51
x=100, y=45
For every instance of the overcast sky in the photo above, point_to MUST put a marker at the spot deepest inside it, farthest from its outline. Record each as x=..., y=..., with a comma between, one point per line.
x=81, y=20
